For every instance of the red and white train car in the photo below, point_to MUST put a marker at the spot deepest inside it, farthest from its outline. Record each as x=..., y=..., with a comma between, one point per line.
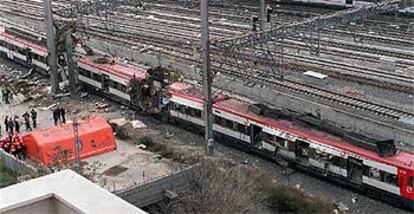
x=390, y=178
x=23, y=51
x=108, y=76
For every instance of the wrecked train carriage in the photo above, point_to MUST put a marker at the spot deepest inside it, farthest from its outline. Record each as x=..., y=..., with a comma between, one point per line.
x=134, y=86
x=367, y=164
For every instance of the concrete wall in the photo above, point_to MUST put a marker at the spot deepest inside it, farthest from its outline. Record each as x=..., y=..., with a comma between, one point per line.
x=46, y=206
x=153, y=191
x=351, y=119
x=16, y=165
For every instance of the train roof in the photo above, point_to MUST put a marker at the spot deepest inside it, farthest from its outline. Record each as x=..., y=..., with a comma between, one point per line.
x=112, y=67
x=22, y=42
x=243, y=109
x=192, y=92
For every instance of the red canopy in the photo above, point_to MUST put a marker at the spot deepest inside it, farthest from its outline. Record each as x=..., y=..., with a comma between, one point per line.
x=57, y=144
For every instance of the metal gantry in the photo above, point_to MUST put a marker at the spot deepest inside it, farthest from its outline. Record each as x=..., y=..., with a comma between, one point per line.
x=315, y=24
x=261, y=53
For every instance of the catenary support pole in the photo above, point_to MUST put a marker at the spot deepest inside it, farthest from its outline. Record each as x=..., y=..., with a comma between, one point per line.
x=207, y=78
x=51, y=45
x=71, y=65
x=263, y=17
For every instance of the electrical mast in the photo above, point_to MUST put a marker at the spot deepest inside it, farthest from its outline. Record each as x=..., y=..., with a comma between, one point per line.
x=207, y=79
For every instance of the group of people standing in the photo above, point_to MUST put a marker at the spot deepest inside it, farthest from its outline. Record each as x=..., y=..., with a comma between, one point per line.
x=12, y=123
x=59, y=115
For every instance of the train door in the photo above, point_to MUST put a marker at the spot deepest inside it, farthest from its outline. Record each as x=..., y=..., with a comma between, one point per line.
x=105, y=82
x=355, y=170
x=255, y=134
x=406, y=182
x=29, y=56
x=10, y=51
x=302, y=151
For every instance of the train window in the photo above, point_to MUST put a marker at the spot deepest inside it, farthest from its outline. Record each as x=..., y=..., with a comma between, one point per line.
x=2, y=43
x=229, y=124
x=176, y=106
x=84, y=72
x=410, y=181
x=96, y=77
x=182, y=109
x=281, y=141
x=374, y=173
x=189, y=111
x=268, y=137
x=290, y=145
x=197, y=113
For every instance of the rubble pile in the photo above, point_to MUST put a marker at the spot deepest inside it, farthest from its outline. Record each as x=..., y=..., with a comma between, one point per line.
x=149, y=95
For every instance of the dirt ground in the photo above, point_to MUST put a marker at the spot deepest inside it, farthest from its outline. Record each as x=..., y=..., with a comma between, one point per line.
x=127, y=166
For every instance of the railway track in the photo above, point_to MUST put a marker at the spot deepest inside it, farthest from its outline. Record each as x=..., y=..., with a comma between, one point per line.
x=174, y=45
x=314, y=92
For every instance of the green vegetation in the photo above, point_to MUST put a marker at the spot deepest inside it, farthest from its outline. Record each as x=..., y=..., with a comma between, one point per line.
x=7, y=177
x=284, y=199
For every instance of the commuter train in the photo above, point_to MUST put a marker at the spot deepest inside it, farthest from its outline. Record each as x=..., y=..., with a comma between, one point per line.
x=332, y=3
x=369, y=165
x=25, y=51
x=344, y=4
x=372, y=166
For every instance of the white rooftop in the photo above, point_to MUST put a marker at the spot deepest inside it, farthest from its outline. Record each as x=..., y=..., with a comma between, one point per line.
x=61, y=192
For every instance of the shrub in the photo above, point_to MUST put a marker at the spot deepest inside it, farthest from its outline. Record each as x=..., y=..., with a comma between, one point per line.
x=7, y=177
x=285, y=199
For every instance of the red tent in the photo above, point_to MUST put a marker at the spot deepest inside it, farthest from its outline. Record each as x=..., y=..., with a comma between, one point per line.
x=57, y=144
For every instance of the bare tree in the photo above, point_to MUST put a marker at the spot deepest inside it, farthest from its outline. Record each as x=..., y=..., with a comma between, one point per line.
x=218, y=187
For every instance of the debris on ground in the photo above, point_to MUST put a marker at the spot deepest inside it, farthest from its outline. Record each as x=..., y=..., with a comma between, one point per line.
x=142, y=146
x=137, y=124
x=49, y=107
x=102, y=106
x=84, y=94
x=61, y=95
x=342, y=207
x=119, y=121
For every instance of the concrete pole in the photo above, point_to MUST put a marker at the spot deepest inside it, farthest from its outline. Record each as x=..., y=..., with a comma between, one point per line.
x=51, y=45
x=263, y=18
x=71, y=65
x=207, y=79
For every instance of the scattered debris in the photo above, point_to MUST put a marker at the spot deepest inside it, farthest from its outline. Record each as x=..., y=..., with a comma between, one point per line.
x=170, y=194
x=61, y=95
x=142, y=146
x=49, y=107
x=119, y=121
x=84, y=94
x=169, y=135
x=342, y=207
x=315, y=74
x=354, y=200
x=137, y=124
x=102, y=106
x=157, y=157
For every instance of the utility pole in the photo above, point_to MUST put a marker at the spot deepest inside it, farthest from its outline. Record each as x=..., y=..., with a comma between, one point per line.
x=207, y=79
x=263, y=17
x=75, y=125
x=71, y=65
x=51, y=46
